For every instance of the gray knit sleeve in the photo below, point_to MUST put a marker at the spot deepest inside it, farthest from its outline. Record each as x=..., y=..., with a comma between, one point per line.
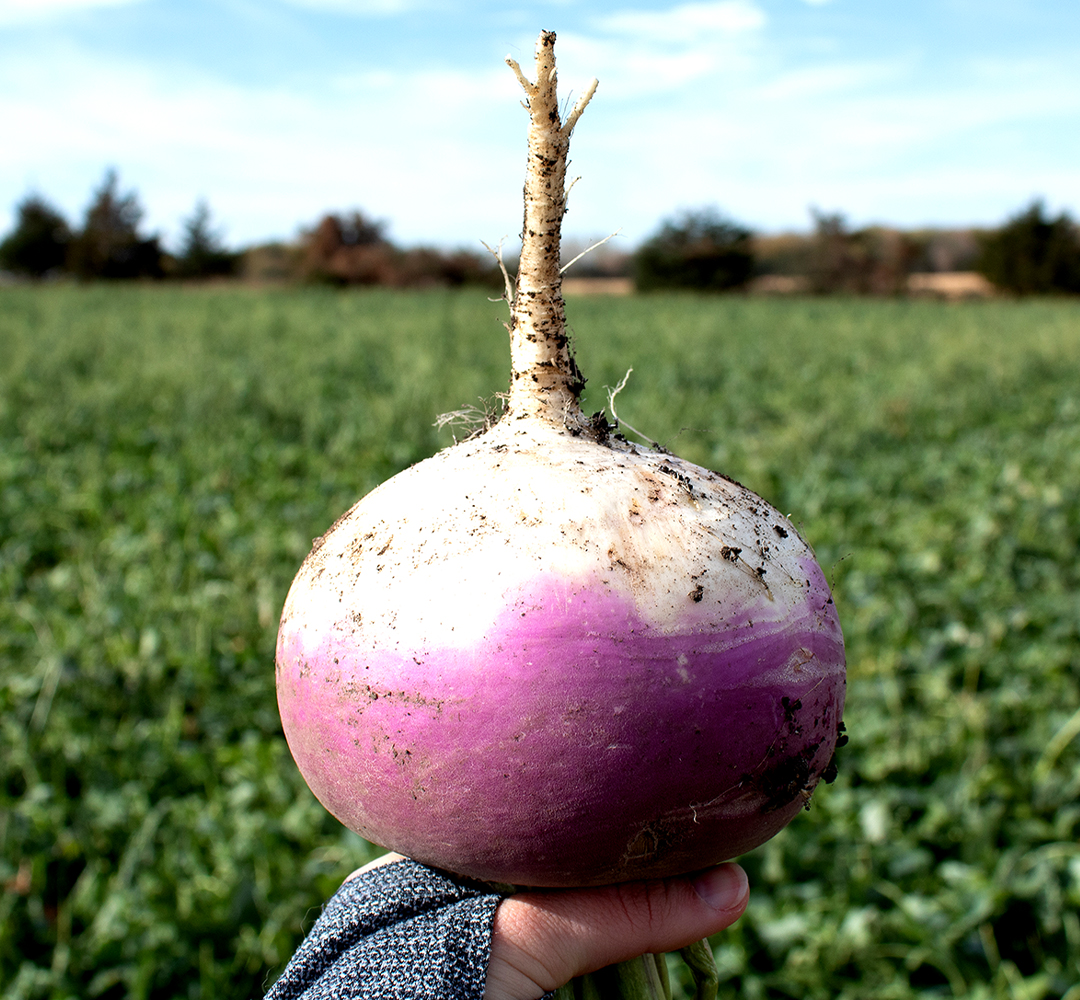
x=398, y=932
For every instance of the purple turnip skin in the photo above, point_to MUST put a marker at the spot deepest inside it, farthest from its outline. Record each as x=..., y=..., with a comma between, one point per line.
x=546, y=660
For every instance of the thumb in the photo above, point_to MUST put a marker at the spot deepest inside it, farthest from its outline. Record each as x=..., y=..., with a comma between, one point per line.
x=543, y=939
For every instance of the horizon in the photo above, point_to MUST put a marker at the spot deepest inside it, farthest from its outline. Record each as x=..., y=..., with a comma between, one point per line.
x=942, y=114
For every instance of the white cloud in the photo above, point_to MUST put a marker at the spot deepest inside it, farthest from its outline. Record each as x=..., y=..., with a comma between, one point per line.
x=830, y=81
x=23, y=11
x=637, y=53
x=872, y=140
x=363, y=8
x=686, y=23
x=434, y=152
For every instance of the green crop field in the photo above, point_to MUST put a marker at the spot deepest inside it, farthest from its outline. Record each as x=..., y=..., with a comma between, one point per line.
x=167, y=455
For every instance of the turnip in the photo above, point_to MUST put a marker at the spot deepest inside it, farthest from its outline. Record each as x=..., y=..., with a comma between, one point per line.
x=547, y=656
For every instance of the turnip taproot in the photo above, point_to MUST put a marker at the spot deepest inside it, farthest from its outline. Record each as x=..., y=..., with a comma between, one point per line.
x=547, y=656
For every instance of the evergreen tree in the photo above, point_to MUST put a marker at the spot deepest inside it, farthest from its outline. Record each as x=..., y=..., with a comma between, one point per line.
x=110, y=245
x=202, y=252
x=699, y=249
x=39, y=242
x=1033, y=254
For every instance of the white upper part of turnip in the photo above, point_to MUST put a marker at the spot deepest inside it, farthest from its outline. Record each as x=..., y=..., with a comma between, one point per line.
x=429, y=559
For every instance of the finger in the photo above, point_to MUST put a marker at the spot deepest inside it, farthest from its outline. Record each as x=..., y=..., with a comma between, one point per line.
x=542, y=940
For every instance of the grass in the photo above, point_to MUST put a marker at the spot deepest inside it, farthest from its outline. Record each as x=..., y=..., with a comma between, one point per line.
x=167, y=455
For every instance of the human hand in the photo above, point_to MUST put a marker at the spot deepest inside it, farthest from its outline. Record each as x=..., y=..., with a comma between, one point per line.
x=543, y=939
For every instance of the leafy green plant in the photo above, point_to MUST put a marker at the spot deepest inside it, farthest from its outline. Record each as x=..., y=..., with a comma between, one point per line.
x=167, y=455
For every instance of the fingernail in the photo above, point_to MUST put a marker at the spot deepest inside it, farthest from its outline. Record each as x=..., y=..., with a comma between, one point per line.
x=723, y=888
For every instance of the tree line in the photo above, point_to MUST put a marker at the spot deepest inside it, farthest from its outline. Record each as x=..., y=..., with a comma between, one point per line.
x=700, y=249
x=1031, y=253
x=111, y=245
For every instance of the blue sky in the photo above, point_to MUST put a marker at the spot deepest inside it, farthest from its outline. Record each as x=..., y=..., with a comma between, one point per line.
x=921, y=112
